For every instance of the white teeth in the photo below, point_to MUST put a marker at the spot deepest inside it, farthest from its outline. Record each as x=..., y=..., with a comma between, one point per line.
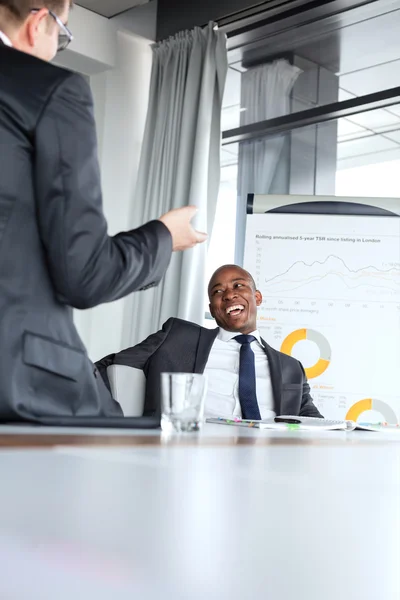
x=232, y=308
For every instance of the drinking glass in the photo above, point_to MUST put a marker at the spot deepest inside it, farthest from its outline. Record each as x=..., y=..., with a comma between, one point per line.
x=183, y=396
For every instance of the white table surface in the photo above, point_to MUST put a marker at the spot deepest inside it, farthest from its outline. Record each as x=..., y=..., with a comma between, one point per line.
x=232, y=513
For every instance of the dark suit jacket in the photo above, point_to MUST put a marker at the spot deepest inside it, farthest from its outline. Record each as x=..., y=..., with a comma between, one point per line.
x=181, y=346
x=55, y=252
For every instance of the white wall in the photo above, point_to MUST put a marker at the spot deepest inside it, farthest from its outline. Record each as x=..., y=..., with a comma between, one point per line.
x=93, y=49
x=118, y=62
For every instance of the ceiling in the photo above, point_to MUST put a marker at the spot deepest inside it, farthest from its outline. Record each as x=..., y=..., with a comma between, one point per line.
x=110, y=8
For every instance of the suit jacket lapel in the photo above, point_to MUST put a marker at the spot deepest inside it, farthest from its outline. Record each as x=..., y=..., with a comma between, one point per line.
x=275, y=370
x=206, y=340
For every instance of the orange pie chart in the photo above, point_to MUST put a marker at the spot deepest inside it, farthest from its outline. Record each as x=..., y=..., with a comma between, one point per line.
x=371, y=404
x=313, y=336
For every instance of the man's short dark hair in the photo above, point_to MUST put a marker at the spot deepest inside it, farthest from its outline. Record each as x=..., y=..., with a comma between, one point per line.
x=20, y=9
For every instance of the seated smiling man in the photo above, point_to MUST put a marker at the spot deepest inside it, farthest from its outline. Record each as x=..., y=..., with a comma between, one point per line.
x=246, y=377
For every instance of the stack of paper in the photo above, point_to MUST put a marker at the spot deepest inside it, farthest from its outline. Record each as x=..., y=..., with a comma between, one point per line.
x=287, y=422
x=291, y=422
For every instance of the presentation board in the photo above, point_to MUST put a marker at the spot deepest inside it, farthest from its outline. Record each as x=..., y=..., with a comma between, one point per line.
x=331, y=298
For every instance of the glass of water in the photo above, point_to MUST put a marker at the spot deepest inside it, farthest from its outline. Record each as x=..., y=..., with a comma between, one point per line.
x=183, y=396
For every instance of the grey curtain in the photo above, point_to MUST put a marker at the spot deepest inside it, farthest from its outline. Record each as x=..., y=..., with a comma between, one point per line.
x=180, y=165
x=263, y=166
x=265, y=94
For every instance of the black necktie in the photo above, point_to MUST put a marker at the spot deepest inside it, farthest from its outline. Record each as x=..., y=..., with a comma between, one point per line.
x=247, y=379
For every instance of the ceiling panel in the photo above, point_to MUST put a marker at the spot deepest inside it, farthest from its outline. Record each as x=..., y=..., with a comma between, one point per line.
x=110, y=8
x=393, y=135
x=376, y=119
x=344, y=95
x=374, y=79
x=370, y=145
x=349, y=130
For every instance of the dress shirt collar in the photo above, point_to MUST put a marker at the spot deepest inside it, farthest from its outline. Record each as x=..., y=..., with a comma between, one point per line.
x=5, y=39
x=227, y=336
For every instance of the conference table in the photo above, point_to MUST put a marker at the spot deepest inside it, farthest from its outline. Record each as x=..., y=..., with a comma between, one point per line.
x=226, y=513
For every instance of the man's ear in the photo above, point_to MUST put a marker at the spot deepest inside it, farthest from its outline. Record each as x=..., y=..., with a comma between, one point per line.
x=36, y=21
x=210, y=309
x=258, y=295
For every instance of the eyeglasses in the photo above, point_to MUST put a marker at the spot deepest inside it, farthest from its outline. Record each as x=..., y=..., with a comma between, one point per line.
x=65, y=37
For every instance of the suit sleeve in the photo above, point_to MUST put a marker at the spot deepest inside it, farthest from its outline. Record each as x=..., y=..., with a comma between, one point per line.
x=87, y=266
x=136, y=356
x=308, y=408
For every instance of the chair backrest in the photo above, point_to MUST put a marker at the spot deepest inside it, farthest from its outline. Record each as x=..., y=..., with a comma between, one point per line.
x=128, y=387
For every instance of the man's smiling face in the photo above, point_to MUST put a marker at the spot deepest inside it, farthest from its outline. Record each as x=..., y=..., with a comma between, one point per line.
x=234, y=299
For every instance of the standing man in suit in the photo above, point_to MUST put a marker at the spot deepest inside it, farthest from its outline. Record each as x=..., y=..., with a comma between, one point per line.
x=55, y=251
x=246, y=377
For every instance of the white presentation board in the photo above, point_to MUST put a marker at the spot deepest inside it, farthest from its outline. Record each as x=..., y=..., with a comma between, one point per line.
x=331, y=298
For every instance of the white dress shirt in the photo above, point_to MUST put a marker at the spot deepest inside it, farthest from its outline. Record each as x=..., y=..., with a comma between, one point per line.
x=5, y=39
x=222, y=369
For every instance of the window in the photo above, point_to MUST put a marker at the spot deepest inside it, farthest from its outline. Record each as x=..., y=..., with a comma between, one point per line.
x=341, y=57
x=310, y=109
x=355, y=156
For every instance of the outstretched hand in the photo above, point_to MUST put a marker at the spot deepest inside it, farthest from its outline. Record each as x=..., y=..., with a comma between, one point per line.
x=184, y=236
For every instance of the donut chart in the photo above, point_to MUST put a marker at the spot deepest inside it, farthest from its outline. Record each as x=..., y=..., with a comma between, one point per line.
x=313, y=336
x=371, y=404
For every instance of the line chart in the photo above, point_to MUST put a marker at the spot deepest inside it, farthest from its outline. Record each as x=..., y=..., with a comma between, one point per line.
x=336, y=277
x=331, y=300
